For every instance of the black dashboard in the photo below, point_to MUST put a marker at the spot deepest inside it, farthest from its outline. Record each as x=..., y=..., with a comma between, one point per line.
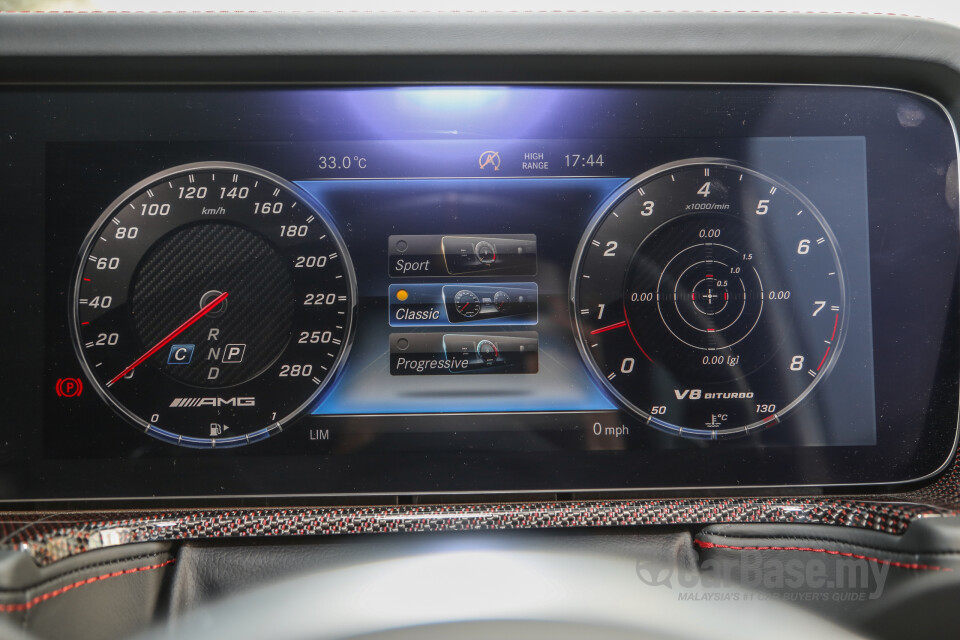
x=671, y=297
x=451, y=285
x=457, y=288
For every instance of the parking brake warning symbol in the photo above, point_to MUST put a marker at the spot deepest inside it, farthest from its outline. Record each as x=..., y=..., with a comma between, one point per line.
x=69, y=387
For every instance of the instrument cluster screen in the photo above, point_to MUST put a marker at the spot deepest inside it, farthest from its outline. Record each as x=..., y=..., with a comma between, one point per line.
x=294, y=292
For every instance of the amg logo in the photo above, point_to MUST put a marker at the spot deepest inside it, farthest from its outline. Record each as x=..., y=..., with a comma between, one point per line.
x=213, y=402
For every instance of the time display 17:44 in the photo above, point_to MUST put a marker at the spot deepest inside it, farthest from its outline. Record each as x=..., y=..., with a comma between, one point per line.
x=583, y=160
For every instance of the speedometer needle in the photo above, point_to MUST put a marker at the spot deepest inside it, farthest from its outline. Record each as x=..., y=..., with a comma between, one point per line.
x=173, y=334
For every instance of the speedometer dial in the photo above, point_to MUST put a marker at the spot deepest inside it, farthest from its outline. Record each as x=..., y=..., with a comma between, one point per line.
x=709, y=298
x=212, y=304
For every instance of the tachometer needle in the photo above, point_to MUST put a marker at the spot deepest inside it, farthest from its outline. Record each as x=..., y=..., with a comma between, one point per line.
x=610, y=328
x=173, y=334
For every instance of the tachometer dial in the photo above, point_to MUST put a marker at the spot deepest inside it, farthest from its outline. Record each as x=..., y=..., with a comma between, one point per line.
x=709, y=298
x=212, y=304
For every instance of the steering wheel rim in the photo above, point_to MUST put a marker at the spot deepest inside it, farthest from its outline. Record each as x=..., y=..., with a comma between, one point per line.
x=520, y=594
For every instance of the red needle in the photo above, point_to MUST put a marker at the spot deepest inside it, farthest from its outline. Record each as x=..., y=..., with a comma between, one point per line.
x=610, y=328
x=173, y=334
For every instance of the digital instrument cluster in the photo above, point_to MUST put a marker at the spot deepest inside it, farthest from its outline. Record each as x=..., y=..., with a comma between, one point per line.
x=454, y=289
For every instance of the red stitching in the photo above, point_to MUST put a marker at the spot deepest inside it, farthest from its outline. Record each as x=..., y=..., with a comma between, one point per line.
x=832, y=552
x=9, y=608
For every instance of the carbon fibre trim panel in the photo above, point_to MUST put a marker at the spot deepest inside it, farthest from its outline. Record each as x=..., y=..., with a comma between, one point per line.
x=49, y=537
x=53, y=537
